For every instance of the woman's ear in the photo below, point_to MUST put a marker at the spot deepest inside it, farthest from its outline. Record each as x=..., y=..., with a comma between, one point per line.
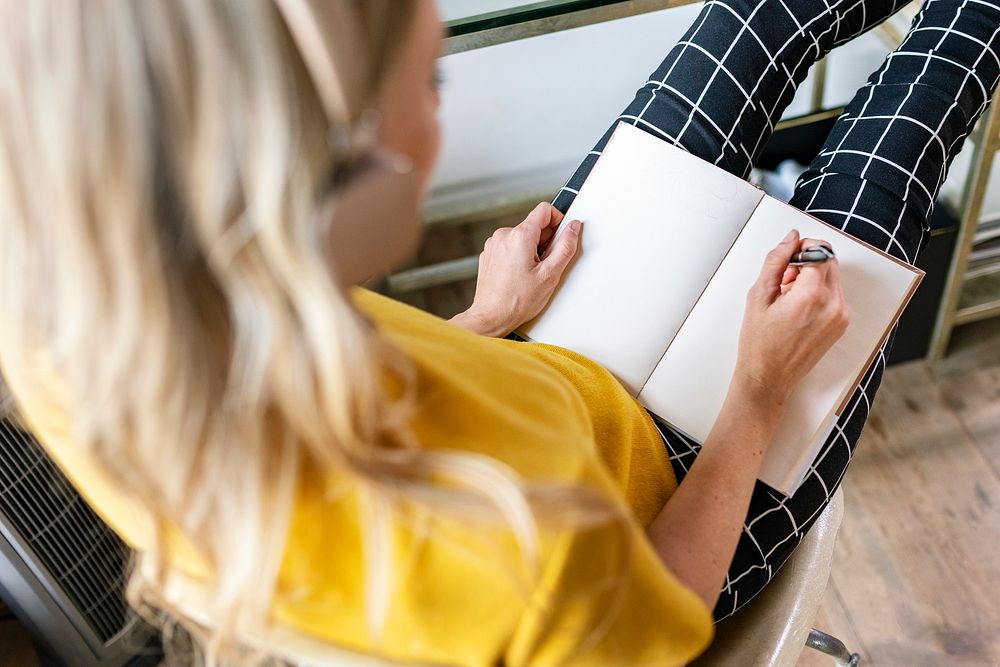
x=374, y=222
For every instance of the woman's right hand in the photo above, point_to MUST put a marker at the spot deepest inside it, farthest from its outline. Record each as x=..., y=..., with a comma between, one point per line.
x=792, y=318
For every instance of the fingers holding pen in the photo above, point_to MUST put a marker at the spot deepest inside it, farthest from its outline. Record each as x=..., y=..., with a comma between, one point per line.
x=812, y=272
x=818, y=284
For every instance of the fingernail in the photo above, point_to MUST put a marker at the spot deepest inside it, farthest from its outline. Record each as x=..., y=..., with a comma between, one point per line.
x=789, y=236
x=575, y=225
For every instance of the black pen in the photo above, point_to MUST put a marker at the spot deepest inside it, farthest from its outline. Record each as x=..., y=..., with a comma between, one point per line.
x=812, y=255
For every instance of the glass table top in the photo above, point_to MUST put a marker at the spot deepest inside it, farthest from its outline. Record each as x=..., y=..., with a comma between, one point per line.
x=473, y=24
x=468, y=16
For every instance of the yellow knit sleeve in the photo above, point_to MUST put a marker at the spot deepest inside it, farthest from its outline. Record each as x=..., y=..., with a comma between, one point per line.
x=605, y=599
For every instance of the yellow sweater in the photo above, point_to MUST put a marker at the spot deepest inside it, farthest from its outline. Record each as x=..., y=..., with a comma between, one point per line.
x=460, y=594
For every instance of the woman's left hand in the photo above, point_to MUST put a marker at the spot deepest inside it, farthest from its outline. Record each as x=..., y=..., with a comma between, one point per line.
x=519, y=270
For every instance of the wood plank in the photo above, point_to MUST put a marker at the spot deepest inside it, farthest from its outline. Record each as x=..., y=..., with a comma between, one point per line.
x=974, y=396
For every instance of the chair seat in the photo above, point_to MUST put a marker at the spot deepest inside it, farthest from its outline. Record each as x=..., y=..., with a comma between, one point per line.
x=772, y=629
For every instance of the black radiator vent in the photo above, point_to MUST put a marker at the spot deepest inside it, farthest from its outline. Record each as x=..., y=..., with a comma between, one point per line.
x=83, y=556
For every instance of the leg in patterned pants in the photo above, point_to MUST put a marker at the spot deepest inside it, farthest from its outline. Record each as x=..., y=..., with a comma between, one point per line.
x=719, y=93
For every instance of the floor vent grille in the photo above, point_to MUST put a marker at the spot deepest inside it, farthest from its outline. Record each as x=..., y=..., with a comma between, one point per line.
x=82, y=554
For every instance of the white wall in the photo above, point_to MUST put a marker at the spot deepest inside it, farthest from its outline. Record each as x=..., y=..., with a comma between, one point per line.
x=520, y=116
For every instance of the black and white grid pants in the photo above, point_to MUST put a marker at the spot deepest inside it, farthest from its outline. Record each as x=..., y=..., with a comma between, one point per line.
x=718, y=95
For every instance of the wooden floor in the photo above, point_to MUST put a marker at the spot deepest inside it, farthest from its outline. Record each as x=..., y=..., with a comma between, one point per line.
x=916, y=575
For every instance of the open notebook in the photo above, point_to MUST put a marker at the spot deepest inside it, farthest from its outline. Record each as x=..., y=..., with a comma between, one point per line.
x=670, y=246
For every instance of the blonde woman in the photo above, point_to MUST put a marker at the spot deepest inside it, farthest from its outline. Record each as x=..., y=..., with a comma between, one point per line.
x=190, y=192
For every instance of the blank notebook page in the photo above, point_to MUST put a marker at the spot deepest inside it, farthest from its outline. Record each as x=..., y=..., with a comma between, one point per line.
x=656, y=223
x=691, y=381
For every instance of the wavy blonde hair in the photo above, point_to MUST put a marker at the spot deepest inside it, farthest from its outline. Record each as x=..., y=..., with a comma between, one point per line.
x=159, y=164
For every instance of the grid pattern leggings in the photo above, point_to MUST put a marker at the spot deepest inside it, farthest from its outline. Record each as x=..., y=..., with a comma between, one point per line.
x=718, y=95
